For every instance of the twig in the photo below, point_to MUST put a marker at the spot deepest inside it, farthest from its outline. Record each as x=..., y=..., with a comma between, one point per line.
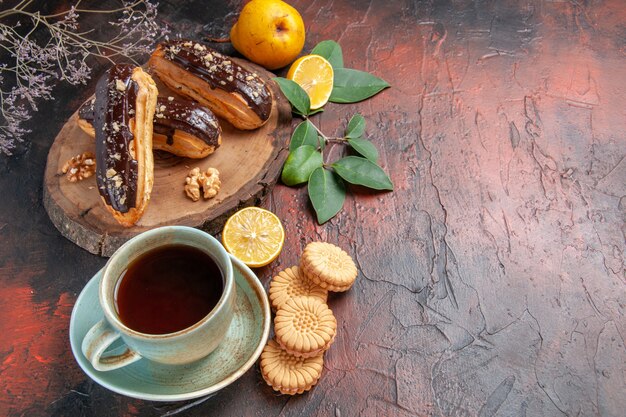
x=35, y=63
x=217, y=40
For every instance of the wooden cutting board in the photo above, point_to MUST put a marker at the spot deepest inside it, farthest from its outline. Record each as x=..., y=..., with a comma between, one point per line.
x=249, y=163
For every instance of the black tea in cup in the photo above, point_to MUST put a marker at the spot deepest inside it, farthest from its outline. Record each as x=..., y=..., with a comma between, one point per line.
x=168, y=289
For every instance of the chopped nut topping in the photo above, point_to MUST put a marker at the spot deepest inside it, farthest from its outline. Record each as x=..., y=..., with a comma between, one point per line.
x=115, y=126
x=119, y=85
x=199, y=47
x=111, y=173
x=229, y=78
x=208, y=58
x=170, y=98
x=80, y=167
x=131, y=148
x=188, y=44
x=174, y=50
x=249, y=78
x=209, y=181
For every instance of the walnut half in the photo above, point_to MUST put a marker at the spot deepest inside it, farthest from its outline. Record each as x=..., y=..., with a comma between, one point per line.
x=80, y=167
x=208, y=181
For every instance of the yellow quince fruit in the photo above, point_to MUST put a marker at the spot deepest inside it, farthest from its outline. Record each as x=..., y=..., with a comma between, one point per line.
x=269, y=32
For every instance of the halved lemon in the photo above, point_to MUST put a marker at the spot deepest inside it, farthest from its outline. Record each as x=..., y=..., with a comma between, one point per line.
x=254, y=235
x=315, y=75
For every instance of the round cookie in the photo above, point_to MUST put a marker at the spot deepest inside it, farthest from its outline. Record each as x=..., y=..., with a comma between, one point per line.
x=328, y=266
x=287, y=373
x=305, y=326
x=290, y=283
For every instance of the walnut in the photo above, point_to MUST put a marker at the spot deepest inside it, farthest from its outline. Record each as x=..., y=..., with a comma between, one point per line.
x=192, y=186
x=209, y=181
x=80, y=167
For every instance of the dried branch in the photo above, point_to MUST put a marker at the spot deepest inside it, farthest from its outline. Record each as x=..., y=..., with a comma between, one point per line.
x=45, y=49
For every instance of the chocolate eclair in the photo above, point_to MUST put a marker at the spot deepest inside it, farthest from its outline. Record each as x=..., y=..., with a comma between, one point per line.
x=198, y=72
x=180, y=127
x=123, y=112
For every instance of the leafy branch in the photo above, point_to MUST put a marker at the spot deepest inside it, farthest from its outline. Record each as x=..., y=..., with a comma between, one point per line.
x=39, y=50
x=306, y=160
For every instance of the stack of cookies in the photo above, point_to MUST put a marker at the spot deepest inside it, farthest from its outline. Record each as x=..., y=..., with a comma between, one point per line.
x=304, y=326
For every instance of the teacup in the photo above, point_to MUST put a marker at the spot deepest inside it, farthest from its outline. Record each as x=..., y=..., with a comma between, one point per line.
x=162, y=310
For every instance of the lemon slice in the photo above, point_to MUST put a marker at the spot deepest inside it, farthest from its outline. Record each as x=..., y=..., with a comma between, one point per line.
x=254, y=235
x=315, y=75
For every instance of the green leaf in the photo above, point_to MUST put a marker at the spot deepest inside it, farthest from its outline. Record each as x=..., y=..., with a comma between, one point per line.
x=331, y=51
x=298, y=98
x=322, y=142
x=312, y=112
x=327, y=193
x=356, y=127
x=300, y=163
x=364, y=147
x=304, y=134
x=352, y=85
x=360, y=171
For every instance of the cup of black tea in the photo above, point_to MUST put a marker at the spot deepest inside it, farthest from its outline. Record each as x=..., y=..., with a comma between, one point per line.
x=169, y=294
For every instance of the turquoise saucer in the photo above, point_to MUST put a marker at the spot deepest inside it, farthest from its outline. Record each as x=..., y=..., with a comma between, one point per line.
x=149, y=380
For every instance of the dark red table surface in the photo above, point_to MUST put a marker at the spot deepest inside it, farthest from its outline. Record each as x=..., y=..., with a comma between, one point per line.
x=491, y=280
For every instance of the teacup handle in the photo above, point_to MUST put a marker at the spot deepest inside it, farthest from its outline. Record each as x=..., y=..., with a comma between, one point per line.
x=96, y=342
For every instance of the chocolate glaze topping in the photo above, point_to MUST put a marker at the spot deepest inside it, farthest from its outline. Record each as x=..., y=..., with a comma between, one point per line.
x=187, y=116
x=173, y=114
x=219, y=71
x=116, y=170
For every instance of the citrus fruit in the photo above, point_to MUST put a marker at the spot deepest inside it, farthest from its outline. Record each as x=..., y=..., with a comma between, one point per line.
x=315, y=75
x=268, y=32
x=254, y=235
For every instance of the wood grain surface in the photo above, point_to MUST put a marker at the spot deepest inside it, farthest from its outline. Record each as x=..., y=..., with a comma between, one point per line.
x=249, y=163
x=492, y=279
